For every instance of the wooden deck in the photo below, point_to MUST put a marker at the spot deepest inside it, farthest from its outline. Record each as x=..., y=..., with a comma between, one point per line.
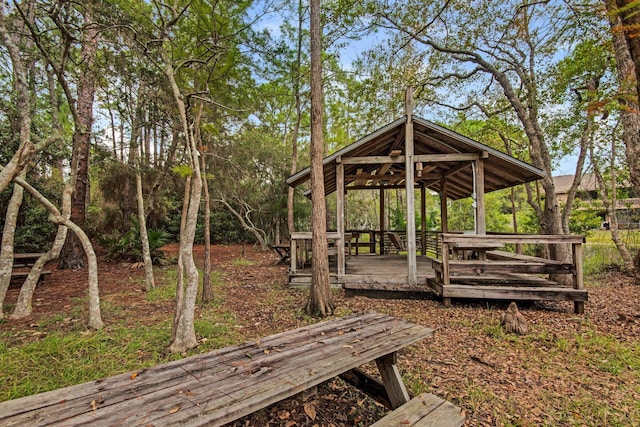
x=473, y=269
x=373, y=272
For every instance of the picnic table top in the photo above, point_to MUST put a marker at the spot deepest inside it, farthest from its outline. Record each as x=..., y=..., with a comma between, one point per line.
x=21, y=256
x=223, y=385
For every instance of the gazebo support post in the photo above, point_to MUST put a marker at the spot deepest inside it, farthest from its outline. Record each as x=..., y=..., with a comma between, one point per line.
x=423, y=220
x=340, y=244
x=409, y=186
x=444, y=218
x=382, y=214
x=481, y=225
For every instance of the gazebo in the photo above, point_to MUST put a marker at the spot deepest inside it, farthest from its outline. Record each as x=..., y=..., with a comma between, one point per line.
x=417, y=155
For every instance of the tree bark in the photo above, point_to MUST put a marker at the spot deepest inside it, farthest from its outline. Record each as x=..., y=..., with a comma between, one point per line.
x=296, y=126
x=207, y=286
x=26, y=148
x=8, y=234
x=149, y=281
x=320, y=297
x=629, y=113
x=184, y=335
x=72, y=255
x=23, y=306
x=610, y=202
x=247, y=225
x=630, y=17
x=95, y=320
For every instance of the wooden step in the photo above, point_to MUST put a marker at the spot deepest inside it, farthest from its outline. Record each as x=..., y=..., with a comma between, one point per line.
x=529, y=293
x=495, y=266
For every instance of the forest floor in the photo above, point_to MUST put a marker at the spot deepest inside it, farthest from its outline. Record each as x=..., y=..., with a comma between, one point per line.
x=568, y=370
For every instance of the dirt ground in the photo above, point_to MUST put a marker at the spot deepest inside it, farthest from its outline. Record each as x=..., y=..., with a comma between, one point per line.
x=496, y=379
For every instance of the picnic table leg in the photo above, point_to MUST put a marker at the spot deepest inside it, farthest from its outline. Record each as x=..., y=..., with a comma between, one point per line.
x=392, y=380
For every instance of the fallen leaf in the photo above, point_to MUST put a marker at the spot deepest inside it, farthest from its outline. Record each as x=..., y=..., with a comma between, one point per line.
x=283, y=415
x=134, y=375
x=174, y=410
x=266, y=351
x=310, y=410
x=94, y=406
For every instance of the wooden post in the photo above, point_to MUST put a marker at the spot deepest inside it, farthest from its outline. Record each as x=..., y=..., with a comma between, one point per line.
x=423, y=221
x=481, y=224
x=444, y=219
x=578, y=278
x=392, y=380
x=293, y=255
x=409, y=187
x=340, y=244
x=382, y=215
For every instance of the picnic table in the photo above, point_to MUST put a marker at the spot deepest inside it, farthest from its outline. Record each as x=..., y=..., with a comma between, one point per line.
x=226, y=384
x=283, y=251
x=25, y=259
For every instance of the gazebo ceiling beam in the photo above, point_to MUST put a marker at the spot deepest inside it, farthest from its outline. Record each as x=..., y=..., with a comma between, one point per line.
x=378, y=178
x=424, y=158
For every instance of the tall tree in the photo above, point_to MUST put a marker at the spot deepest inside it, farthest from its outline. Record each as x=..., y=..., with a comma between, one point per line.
x=72, y=255
x=624, y=21
x=320, y=297
x=493, y=57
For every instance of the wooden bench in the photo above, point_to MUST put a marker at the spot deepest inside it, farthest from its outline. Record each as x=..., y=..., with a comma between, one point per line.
x=223, y=385
x=21, y=275
x=425, y=410
x=25, y=259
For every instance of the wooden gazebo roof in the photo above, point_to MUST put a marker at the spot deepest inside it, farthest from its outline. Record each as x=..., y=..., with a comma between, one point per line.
x=432, y=142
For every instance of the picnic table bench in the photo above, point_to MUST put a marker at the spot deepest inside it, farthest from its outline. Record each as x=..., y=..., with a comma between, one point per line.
x=23, y=260
x=226, y=384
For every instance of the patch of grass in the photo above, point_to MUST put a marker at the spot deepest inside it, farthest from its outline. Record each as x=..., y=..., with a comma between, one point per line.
x=61, y=359
x=608, y=353
x=162, y=292
x=601, y=254
x=242, y=262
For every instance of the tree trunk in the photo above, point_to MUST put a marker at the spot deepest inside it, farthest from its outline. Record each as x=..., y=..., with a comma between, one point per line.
x=258, y=233
x=26, y=148
x=95, y=320
x=630, y=16
x=73, y=255
x=180, y=291
x=23, y=306
x=8, y=233
x=207, y=287
x=149, y=282
x=610, y=202
x=184, y=335
x=296, y=126
x=320, y=297
x=629, y=113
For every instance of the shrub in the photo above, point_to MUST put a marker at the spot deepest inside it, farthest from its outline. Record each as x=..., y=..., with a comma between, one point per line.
x=128, y=246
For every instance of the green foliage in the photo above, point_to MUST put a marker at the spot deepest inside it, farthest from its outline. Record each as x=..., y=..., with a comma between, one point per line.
x=182, y=170
x=397, y=218
x=128, y=246
x=34, y=231
x=584, y=221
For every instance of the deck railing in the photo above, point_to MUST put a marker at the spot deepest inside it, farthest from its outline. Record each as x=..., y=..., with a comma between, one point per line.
x=473, y=255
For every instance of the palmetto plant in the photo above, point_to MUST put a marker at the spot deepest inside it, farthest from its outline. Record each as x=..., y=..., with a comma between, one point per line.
x=128, y=247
